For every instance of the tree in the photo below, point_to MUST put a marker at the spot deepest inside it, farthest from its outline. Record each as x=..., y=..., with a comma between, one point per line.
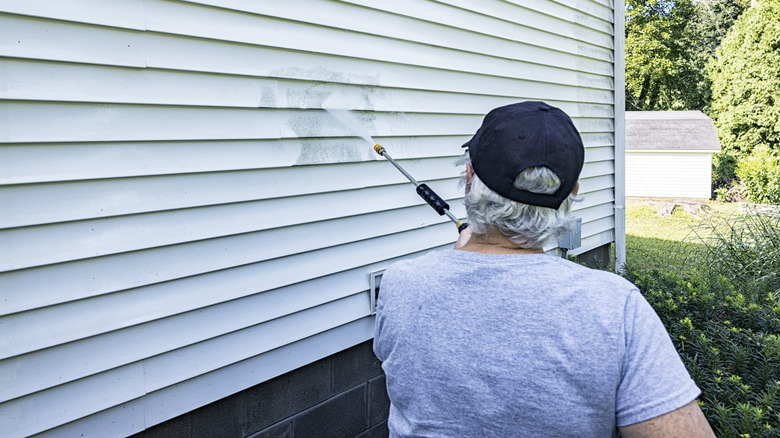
x=657, y=68
x=746, y=86
x=711, y=22
x=713, y=19
x=668, y=44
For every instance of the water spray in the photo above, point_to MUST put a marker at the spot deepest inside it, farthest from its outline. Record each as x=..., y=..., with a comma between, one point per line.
x=425, y=192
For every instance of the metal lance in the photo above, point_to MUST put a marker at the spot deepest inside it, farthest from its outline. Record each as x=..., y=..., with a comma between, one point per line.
x=425, y=192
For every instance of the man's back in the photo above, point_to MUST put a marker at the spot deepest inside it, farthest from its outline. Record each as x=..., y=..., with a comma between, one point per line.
x=521, y=345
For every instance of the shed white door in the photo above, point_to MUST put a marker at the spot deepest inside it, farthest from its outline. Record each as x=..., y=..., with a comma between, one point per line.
x=669, y=174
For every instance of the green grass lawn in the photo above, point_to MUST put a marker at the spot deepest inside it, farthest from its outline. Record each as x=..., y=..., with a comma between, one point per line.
x=666, y=243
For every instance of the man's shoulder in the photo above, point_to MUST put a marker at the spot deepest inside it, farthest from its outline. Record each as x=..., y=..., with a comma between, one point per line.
x=430, y=258
x=601, y=274
x=604, y=285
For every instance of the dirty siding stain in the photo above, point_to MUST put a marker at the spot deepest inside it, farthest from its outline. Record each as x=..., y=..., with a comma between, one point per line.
x=319, y=125
x=269, y=96
x=331, y=152
x=594, y=110
x=326, y=86
x=325, y=75
x=593, y=81
x=306, y=124
x=335, y=89
x=311, y=96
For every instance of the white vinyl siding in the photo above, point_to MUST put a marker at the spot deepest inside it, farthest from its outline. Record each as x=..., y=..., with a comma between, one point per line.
x=664, y=174
x=179, y=218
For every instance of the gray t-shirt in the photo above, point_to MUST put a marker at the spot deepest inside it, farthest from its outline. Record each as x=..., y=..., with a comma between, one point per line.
x=477, y=345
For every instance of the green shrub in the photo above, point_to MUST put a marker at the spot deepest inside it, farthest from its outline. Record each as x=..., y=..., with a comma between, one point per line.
x=729, y=343
x=721, y=194
x=760, y=174
x=745, y=76
x=724, y=320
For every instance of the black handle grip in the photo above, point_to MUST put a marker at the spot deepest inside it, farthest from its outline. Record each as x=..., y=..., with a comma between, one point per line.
x=432, y=199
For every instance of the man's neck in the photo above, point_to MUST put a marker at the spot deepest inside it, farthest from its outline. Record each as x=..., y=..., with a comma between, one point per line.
x=496, y=243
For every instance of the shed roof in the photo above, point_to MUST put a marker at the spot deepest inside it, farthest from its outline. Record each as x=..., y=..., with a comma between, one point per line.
x=670, y=130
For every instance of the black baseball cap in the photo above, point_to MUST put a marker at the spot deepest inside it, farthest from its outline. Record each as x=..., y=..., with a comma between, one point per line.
x=515, y=137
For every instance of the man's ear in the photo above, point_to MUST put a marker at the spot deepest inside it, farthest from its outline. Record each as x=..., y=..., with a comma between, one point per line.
x=576, y=188
x=469, y=177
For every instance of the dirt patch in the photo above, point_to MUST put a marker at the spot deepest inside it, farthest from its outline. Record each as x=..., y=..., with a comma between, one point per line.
x=666, y=207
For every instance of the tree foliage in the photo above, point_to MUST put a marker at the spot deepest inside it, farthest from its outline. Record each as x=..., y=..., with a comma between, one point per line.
x=746, y=85
x=668, y=43
x=658, y=72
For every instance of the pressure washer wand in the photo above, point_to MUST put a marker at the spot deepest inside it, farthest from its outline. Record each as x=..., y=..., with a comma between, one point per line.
x=425, y=192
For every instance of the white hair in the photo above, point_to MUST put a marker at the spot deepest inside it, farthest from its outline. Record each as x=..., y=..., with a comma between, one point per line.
x=527, y=226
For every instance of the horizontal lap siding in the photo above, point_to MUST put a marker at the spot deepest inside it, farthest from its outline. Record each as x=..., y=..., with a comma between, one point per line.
x=669, y=175
x=179, y=218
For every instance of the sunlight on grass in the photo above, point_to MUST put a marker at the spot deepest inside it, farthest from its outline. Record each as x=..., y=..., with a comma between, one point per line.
x=643, y=220
x=667, y=243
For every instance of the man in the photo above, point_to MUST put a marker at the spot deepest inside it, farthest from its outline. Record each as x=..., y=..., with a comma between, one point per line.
x=497, y=339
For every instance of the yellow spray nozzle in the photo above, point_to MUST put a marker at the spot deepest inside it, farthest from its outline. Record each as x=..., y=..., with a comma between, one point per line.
x=379, y=149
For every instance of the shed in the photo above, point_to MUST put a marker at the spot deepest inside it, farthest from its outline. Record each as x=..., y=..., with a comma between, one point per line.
x=669, y=154
x=187, y=237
